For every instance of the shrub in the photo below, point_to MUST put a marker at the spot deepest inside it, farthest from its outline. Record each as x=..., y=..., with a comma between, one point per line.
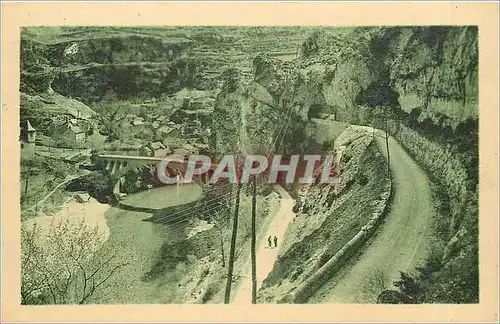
x=98, y=184
x=66, y=265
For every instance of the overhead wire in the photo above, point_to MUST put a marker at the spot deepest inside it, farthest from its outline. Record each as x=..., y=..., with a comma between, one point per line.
x=281, y=133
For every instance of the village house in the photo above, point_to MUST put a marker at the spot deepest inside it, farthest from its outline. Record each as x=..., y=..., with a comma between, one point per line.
x=159, y=150
x=161, y=118
x=167, y=132
x=154, y=149
x=137, y=121
x=75, y=134
x=145, y=151
x=152, y=116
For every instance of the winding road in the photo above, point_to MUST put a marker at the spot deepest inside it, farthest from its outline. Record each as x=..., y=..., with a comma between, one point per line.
x=399, y=245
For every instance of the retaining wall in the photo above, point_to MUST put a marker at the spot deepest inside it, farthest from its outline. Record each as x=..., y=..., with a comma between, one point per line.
x=323, y=274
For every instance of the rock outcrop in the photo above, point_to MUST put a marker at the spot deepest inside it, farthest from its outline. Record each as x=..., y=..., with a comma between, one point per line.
x=432, y=70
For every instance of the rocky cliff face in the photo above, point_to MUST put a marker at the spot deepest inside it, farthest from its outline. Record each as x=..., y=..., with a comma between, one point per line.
x=91, y=83
x=133, y=65
x=431, y=71
x=426, y=74
x=148, y=62
x=272, y=109
x=105, y=48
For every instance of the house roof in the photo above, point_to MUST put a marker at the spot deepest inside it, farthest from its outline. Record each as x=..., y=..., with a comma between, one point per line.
x=166, y=129
x=138, y=121
x=30, y=128
x=76, y=129
x=157, y=146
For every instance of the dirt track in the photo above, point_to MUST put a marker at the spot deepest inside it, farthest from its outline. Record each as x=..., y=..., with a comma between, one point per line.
x=401, y=242
x=267, y=256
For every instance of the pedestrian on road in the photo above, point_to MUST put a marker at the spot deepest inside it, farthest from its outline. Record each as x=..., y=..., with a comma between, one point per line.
x=275, y=241
x=269, y=241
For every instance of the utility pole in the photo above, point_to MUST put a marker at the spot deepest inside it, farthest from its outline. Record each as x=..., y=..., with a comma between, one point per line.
x=387, y=146
x=383, y=117
x=254, y=239
x=227, y=295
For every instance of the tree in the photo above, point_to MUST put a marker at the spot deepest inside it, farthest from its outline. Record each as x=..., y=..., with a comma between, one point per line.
x=392, y=297
x=37, y=78
x=111, y=113
x=218, y=203
x=411, y=286
x=216, y=206
x=376, y=283
x=98, y=184
x=410, y=290
x=33, y=165
x=29, y=167
x=68, y=263
x=220, y=225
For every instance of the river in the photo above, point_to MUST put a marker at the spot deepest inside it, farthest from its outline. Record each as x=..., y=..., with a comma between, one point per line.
x=139, y=243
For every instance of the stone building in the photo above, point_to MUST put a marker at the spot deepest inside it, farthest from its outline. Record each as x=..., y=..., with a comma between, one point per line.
x=30, y=134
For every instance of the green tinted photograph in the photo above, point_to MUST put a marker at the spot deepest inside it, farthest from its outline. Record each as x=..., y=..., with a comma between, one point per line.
x=249, y=165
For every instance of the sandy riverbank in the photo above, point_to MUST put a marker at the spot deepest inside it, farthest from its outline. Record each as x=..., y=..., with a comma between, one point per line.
x=91, y=212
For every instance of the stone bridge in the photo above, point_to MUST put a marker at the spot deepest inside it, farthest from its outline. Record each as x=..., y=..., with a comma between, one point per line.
x=119, y=165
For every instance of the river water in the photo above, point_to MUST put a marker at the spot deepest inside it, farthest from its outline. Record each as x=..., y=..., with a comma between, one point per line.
x=139, y=242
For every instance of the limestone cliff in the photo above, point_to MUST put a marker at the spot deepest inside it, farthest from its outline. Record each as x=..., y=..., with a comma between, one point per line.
x=432, y=70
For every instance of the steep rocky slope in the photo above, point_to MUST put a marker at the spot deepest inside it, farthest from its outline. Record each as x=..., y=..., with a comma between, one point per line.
x=147, y=62
x=429, y=73
x=432, y=69
x=332, y=214
x=131, y=65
